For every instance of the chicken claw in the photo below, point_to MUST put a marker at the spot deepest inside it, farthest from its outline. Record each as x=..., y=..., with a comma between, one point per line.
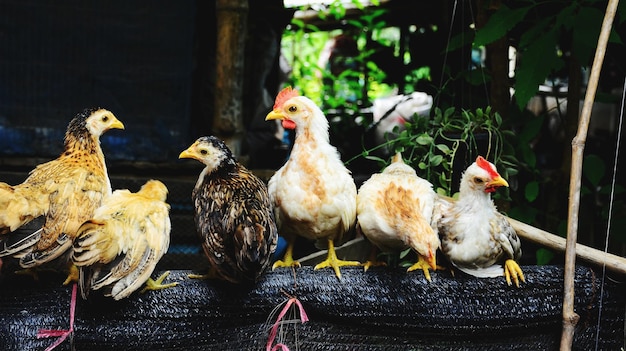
x=372, y=263
x=211, y=274
x=424, y=265
x=72, y=276
x=513, y=271
x=334, y=262
x=157, y=284
x=287, y=260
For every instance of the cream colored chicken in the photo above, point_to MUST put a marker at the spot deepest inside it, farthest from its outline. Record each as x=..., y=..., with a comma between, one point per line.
x=475, y=237
x=394, y=212
x=66, y=191
x=313, y=193
x=118, y=249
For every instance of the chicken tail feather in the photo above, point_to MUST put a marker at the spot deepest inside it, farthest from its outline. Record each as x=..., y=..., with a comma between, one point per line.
x=17, y=243
x=37, y=258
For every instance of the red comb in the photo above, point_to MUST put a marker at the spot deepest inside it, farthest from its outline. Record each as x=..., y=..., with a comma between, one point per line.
x=284, y=95
x=484, y=164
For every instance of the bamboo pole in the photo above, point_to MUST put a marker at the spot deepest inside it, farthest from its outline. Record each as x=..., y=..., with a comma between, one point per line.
x=570, y=318
x=613, y=262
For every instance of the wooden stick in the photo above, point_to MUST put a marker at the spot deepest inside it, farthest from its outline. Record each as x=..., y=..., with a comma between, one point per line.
x=570, y=318
x=613, y=262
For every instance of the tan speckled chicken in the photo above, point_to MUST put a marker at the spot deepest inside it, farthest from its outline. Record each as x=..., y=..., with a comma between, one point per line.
x=233, y=213
x=475, y=237
x=66, y=191
x=394, y=212
x=313, y=193
x=118, y=249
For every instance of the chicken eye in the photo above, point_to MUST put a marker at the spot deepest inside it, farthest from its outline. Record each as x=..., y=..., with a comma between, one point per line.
x=204, y=151
x=292, y=108
x=105, y=118
x=478, y=180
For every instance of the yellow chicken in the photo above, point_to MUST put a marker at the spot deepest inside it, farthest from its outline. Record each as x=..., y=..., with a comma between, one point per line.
x=66, y=191
x=118, y=249
x=233, y=216
x=313, y=193
x=395, y=212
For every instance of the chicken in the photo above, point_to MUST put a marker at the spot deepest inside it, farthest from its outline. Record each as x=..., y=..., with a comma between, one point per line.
x=313, y=193
x=394, y=211
x=233, y=213
x=66, y=191
x=119, y=247
x=475, y=237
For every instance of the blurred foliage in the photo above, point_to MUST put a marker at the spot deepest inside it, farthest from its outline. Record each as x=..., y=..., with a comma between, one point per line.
x=546, y=35
x=433, y=145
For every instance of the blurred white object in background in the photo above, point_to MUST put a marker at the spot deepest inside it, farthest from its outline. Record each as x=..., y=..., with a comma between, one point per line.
x=395, y=110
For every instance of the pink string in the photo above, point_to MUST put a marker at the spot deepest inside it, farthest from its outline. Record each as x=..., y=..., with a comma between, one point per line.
x=63, y=334
x=303, y=317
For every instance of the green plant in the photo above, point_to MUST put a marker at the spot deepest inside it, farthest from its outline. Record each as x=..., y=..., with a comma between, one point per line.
x=441, y=146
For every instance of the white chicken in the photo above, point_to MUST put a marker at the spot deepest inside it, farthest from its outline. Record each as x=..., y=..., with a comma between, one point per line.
x=313, y=193
x=394, y=211
x=475, y=237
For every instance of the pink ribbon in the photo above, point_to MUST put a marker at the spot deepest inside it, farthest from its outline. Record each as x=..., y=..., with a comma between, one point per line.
x=62, y=334
x=303, y=317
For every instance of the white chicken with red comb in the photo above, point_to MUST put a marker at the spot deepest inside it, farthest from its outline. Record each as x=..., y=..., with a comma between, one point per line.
x=475, y=237
x=313, y=193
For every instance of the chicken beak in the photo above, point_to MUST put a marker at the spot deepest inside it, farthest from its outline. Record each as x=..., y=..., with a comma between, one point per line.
x=432, y=260
x=497, y=182
x=187, y=153
x=275, y=114
x=117, y=124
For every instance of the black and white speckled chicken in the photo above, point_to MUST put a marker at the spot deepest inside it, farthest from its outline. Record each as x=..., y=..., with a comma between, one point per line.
x=117, y=250
x=233, y=213
x=65, y=191
x=475, y=237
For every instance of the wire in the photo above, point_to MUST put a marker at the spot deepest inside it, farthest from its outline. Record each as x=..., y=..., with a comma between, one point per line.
x=612, y=197
x=480, y=66
x=445, y=56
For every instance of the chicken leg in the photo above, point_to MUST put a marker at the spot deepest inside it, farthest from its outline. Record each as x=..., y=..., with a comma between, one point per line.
x=513, y=271
x=157, y=284
x=287, y=260
x=333, y=261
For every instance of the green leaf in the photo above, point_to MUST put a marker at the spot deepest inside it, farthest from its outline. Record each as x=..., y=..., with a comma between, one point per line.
x=498, y=118
x=543, y=256
x=531, y=129
x=531, y=191
x=534, y=32
x=448, y=112
x=460, y=40
x=404, y=253
x=499, y=24
x=443, y=148
x=536, y=63
x=594, y=169
x=374, y=158
x=511, y=171
x=586, y=33
x=424, y=139
x=441, y=191
x=436, y=160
